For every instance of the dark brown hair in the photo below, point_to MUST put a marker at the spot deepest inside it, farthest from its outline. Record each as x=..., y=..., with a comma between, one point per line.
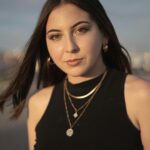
x=36, y=52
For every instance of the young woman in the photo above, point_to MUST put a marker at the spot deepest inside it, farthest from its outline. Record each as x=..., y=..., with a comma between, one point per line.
x=89, y=98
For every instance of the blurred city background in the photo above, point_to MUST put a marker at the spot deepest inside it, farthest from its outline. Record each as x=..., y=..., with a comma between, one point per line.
x=18, y=18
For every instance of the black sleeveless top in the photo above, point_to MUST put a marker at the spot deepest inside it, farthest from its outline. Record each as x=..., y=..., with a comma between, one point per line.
x=104, y=125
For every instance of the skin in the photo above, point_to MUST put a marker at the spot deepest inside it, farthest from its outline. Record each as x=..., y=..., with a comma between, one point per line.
x=73, y=43
x=73, y=39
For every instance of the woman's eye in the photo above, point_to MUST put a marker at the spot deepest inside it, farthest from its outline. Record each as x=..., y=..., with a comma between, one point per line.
x=82, y=30
x=54, y=37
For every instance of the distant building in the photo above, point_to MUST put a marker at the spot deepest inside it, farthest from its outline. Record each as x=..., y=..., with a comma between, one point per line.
x=141, y=60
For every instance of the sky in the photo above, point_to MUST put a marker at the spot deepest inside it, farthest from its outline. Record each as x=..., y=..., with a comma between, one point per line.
x=131, y=19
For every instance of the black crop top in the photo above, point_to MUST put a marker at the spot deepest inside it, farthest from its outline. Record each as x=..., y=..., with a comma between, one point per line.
x=104, y=125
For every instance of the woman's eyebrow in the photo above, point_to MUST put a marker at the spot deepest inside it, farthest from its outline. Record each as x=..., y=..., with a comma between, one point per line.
x=80, y=22
x=76, y=24
x=53, y=30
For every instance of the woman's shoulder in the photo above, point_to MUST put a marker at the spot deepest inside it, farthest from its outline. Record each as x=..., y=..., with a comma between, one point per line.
x=137, y=96
x=38, y=102
x=41, y=96
x=137, y=93
x=138, y=86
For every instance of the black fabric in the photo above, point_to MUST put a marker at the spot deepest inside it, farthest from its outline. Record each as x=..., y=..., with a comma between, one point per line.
x=104, y=126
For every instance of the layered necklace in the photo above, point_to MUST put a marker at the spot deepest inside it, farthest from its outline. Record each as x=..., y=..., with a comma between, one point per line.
x=82, y=108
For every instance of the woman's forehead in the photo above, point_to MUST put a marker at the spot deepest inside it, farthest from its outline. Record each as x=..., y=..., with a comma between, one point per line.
x=67, y=14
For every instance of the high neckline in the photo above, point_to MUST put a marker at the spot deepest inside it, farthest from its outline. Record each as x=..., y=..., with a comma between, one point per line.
x=84, y=86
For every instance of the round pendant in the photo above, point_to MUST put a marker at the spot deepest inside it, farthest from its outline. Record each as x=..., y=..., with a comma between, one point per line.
x=75, y=115
x=69, y=132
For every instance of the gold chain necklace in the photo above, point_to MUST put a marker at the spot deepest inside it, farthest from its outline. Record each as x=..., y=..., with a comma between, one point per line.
x=83, y=96
x=70, y=131
x=75, y=115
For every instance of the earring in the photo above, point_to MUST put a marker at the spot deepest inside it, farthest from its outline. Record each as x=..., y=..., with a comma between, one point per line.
x=105, y=48
x=49, y=61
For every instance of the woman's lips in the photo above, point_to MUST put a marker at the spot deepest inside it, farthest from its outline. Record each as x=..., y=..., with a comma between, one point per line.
x=74, y=62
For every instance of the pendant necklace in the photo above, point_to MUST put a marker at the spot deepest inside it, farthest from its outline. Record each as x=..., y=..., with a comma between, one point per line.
x=75, y=115
x=70, y=131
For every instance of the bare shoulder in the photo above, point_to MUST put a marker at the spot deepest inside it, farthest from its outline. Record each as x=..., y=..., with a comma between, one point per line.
x=41, y=96
x=137, y=91
x=138, y=87
x=38, y=103
x=137, y=96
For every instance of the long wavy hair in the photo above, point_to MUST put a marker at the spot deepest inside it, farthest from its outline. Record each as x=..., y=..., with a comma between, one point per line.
x=36, y=52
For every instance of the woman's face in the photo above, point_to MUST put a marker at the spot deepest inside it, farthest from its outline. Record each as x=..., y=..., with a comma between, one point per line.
x=74, y=42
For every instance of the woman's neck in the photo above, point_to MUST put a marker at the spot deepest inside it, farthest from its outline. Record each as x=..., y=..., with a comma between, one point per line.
x=79, y=79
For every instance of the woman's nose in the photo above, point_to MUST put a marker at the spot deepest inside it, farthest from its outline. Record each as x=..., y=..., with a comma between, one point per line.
x=71, y=45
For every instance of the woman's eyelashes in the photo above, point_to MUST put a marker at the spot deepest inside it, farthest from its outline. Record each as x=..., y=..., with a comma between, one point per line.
x=79, y=31
x=54, y=37
x=82, y=30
